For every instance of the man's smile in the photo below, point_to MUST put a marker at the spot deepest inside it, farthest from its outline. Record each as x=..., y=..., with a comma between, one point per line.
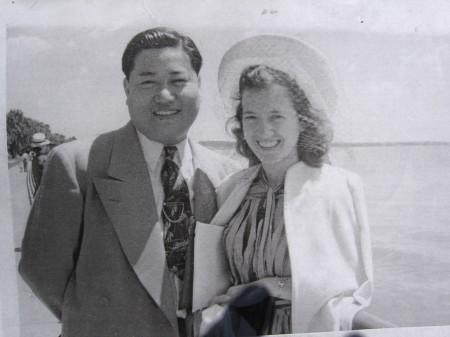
x=166, y=113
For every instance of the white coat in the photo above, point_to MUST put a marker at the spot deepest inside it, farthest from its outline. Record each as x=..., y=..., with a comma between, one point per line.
x=328, y=240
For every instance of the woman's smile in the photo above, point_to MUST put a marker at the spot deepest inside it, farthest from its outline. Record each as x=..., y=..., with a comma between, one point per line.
x=268, y=144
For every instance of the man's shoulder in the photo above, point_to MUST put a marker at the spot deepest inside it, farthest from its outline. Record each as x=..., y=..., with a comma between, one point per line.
x=78, y=152
x=72, y=149
x=106, y=139
x=216, y=161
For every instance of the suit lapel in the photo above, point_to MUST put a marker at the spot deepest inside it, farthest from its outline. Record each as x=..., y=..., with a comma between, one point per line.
x=130, y=204
x=205, y=203
x=127, y=195
x=153, y=273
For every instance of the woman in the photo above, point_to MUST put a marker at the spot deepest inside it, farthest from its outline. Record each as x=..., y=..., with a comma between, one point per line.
x=295, y=234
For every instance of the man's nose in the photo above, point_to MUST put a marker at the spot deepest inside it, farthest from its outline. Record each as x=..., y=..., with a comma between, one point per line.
x=164, y=96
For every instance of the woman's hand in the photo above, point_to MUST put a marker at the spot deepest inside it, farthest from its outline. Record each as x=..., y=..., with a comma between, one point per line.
x=242, y=295
x=279, y=287
x=212, y=317
x=254, y=292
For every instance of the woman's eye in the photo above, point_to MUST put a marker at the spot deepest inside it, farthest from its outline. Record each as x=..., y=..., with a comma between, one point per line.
x=179, y=81
x=148, y=82
x=249, y=117
x=278, y=117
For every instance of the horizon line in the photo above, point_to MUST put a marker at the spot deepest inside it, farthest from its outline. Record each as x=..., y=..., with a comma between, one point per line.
x=349, y=144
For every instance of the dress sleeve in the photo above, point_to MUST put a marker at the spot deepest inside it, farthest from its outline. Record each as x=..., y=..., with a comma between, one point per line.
x=346, y=307
x=51, y=240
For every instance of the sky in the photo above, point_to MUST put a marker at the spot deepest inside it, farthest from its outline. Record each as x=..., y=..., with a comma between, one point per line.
x=392, y=60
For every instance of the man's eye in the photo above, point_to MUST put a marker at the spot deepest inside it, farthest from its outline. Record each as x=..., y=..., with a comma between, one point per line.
x=179, y=81
x=148, y=82
x=249, y=117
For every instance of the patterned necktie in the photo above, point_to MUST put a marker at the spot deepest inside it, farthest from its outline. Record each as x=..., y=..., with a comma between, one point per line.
x=178, y=220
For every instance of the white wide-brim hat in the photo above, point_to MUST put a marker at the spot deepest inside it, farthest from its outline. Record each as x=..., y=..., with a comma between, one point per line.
x=39, y=140
x=303, y=62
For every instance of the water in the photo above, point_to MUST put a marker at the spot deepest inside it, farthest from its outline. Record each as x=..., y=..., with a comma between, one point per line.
x=407, y=191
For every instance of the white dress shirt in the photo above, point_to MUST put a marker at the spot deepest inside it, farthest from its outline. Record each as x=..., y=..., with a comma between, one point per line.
x=154, y=157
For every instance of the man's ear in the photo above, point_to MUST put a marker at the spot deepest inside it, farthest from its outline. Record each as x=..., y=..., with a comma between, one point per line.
x=199, y=87
x=126, y=88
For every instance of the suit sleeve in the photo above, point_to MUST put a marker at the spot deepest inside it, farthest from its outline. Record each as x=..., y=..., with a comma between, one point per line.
x=51, y=240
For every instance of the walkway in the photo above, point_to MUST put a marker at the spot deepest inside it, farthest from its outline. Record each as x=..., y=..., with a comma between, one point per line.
x=35, y=319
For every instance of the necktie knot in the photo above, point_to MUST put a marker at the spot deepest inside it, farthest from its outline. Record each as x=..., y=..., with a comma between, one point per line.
x=169, y=152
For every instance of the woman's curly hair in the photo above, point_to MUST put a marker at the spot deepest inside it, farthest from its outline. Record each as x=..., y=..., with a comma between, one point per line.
x=315, y=139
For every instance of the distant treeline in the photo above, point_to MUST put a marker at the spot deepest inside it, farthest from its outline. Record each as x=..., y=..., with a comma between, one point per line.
x=20, y=130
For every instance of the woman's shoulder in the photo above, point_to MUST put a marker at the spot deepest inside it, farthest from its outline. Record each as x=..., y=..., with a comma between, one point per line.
x=341, y=172
x=350, y=178
x=327, y=176
x=227, y=185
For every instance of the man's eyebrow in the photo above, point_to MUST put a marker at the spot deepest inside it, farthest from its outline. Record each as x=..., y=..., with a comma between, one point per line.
x=152, y=73
x=147, y=73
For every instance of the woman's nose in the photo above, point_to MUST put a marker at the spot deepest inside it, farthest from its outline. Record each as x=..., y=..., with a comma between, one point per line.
x=265, y=128
x=164, y=96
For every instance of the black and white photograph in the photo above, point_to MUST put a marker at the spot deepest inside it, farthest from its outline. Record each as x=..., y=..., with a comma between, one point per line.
x=225, y=168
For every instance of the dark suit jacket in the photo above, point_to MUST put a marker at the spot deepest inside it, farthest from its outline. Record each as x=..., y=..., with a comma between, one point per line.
x=82, y=253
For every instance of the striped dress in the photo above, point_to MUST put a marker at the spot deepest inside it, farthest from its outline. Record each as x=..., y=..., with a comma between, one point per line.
x=256, y=247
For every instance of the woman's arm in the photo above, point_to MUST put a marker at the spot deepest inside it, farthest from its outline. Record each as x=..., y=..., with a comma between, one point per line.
x=254, y=292
x=241, y=296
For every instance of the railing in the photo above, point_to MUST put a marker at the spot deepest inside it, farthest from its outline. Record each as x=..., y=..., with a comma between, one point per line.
x=366, y=320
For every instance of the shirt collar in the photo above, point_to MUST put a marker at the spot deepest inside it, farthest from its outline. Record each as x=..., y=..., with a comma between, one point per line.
x=153, y=150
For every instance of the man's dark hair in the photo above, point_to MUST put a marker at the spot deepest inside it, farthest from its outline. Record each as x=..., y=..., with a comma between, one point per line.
x=156, y=38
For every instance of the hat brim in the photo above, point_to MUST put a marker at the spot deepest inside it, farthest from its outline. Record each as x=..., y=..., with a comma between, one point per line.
x=45, y=142
x=303, y=62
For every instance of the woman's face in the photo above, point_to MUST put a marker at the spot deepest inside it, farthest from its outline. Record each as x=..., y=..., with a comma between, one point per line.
x=270, y=124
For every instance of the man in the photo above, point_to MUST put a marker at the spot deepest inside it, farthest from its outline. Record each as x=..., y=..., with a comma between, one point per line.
x=109, y=212
x=25, y=158
x=21, y=162
x=40, y=146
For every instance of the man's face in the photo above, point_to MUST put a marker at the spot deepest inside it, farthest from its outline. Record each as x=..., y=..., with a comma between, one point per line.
x=163, y=94
x=44, y=149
